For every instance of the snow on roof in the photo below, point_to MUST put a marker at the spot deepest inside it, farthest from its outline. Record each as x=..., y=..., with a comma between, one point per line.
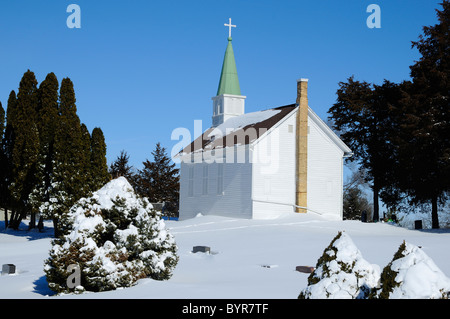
x=235, y=123
x=243, y=129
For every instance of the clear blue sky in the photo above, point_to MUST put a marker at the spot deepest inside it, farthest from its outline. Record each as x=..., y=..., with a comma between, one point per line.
x=143, y=68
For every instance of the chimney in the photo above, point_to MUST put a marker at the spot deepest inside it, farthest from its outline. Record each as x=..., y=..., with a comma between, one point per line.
x=301, y=145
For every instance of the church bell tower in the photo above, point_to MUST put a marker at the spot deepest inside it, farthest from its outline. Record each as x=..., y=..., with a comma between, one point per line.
x=228, y=102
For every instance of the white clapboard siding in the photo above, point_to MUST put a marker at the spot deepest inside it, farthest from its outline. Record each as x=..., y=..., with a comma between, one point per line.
x=274, y=170
x=325, y=170
x=233, y=201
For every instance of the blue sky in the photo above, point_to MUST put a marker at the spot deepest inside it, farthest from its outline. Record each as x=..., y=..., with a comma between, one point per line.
x=144, y=68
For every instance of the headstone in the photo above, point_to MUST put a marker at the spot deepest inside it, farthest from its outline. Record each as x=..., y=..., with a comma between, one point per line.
x=364, y=216
x=417, y=224
x=202, y=249
x=305, y=269
x=8, y=269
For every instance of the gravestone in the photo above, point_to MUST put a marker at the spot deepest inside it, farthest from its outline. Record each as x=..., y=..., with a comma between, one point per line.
x=202, y=249
x=418, y=224
x=364, y=216
x=8, y=269
x=305, y=269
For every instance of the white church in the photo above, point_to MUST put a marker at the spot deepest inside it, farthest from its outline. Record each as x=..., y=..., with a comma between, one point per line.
x=264, y=164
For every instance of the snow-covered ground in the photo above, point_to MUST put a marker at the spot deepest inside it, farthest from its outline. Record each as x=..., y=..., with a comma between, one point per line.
x=249, y=258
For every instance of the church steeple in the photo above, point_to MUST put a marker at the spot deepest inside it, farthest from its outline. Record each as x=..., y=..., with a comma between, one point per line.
x=229, y=82
x=229, y=102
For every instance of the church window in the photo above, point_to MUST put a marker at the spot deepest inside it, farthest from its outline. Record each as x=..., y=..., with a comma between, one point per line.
x=290, y=128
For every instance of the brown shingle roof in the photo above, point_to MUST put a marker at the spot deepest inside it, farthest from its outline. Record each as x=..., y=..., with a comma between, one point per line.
x=243, y=135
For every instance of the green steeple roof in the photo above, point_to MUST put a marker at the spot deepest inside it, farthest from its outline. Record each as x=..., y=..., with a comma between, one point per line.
x=229, y=82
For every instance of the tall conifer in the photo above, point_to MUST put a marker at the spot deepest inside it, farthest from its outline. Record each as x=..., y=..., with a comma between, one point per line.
x=159, y=180
x=99, y=166
x=8, y=146
x=67, y=172
x=2, y=121
x=26, y=146
x=120, y=167
x=46, y=123
x=85, y=159
x=424, y=139
x=3, y=165
x=361, y=115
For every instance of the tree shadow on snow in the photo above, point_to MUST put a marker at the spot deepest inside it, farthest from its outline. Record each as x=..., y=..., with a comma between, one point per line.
x=31, y=234
x=41, y=287
x=435, y=231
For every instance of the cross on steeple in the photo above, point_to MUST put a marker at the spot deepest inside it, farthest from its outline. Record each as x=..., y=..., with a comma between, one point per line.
x=229, y=25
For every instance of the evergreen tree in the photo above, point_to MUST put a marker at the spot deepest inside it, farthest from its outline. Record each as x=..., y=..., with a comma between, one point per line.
x=120, y=167
x=8, y=146
x=46, y=123
x=115, y=238
x=67, y=172
x=362, y=116
x=3, y=163
x=159, y=179
x=99, y=166
x=411, y=274
x=424, y=139
x=85, y=158
x=341, y=273
x=355, y=203
x=26, y=147
x=2, y=121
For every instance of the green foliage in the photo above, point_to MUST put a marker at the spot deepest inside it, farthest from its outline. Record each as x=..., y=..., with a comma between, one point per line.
x=328, y=255
x=47, y=118
x=45, y=152
x=120, y=167
x=26, y=144
x=85, y=161
x=388, y=275
x=362, y=116
x=3, y=161
x=355, y=203
x=2, y=120
x=125, y=241
x=159, y=179
x=423, y=144
x=7, y=147
x=67, y=178
x=99, y=168
x=341, y=272
x=399, y=132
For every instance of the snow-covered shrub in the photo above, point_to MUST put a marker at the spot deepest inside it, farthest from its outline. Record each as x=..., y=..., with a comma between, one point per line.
x=115, y=238
x=412, y=275
x=341, y=273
